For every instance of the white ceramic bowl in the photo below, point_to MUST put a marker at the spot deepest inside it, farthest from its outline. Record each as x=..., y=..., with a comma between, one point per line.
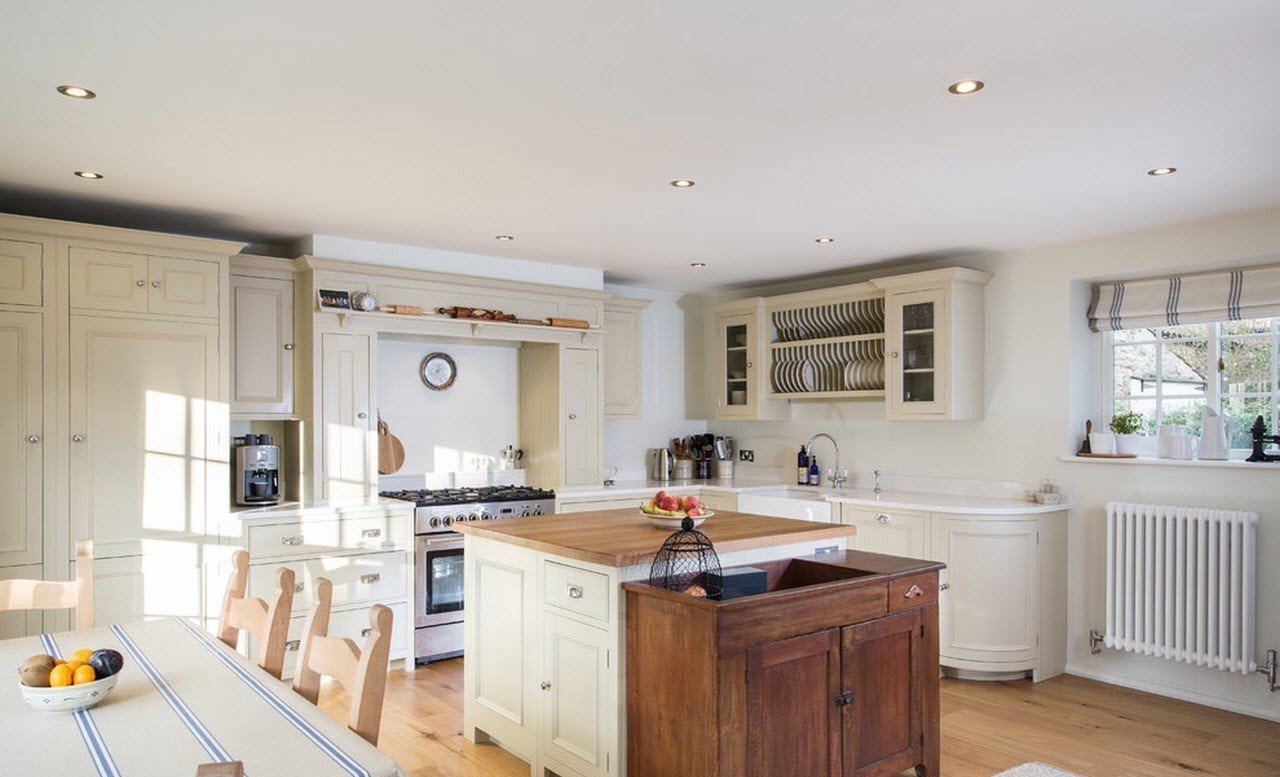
x=69, y=698
x=673, y=522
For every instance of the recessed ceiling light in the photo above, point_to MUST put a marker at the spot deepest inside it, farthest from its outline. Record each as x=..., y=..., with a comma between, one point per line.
x=78, y=92
x=503, y=237
x=824, y=240
x=697, y=264
x=89, y=174
x=965, y=87
x=1162, y=171
x=682, y=183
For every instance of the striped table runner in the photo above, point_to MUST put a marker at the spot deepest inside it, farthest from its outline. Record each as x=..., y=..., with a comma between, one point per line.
x=183, y=699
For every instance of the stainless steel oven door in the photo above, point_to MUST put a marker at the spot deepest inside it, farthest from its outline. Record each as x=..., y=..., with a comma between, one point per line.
x=438, y=568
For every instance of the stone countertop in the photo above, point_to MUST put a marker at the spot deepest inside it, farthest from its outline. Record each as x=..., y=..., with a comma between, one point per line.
x=621, y=538
x=308, y=509
x=628, y=488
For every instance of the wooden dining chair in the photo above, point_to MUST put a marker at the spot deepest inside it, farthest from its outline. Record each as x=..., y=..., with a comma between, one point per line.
x=362, y=671
x=222, y=769
x=50, y=595
x=269, y=623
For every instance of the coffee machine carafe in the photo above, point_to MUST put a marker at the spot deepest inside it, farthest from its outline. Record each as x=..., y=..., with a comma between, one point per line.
x=257, y=471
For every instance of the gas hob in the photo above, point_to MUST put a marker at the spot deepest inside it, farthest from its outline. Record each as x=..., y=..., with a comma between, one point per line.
x=438, y=509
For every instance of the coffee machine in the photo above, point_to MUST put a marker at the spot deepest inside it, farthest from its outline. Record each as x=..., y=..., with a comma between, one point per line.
x=257, y=471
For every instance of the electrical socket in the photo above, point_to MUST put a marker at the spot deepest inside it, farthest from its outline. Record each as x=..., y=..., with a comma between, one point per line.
x=746, y=455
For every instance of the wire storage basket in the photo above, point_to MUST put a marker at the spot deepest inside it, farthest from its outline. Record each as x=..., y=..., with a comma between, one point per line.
x=687, y=562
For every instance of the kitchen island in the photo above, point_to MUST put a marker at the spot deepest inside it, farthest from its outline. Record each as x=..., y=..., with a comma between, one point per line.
x=546, y=626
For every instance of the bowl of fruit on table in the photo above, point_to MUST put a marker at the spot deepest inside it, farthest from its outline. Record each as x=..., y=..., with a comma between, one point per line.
x=668, y=511
x=53, y=685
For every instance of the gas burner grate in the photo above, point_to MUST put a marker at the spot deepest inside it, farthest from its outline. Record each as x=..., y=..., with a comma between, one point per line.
x=455, y=496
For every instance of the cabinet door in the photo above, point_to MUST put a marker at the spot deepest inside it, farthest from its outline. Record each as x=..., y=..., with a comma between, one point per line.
x=895, y=532
x=623, y=374
x=917, y=371
x=793, y=722
x=21, y=438
x=108, y=280
x=580, y=384
x=883, y=667
x=166, y=582
x=579, y=695
x=21, y=272
x=736, y=345
x=990, y=611
x=346, y=429
x=262, y=346
x=182, y=287
x=147, y=439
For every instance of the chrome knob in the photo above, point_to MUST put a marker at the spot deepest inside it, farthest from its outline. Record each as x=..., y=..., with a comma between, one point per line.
x=544, y=685
x=894, y=354
x=142, y=284
x=944, y=586
x=884, y=517
x=155, y=284
x=447, y=521
x=362, y=415
x=77, y=438
x=288, y=346
x=486, y=515
x=33, y=439
x=434, y=523
x=573, y=416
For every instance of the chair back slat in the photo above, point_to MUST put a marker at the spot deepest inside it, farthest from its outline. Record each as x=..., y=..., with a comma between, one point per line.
x=55, y=595
x=268, y=622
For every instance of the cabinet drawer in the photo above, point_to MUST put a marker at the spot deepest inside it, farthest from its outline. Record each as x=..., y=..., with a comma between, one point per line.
x=576, y=590
x=376, y=532
x=913, y=591
x=322, y=537
x=378, y=577
x=350, y=624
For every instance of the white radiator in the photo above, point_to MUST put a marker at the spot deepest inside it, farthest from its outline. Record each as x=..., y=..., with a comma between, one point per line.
x=1181, y=584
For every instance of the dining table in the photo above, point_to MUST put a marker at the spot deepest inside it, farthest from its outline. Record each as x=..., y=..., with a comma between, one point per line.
x=182, y=699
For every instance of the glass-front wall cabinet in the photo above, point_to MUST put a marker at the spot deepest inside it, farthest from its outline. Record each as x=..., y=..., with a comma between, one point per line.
x=737, y=345
x=917, y=350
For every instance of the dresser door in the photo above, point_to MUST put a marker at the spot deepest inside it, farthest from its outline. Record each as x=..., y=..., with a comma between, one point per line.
x=22, y=442
x=144, y=421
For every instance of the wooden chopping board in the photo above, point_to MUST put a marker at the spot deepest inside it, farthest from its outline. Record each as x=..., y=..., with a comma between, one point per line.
x=390, y=450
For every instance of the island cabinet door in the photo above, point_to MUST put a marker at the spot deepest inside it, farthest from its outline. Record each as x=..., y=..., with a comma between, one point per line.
x=883, y=662
x=579, y=696
x=793, y=713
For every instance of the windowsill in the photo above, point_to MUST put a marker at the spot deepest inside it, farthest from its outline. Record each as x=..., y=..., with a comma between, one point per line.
x=1151, y=461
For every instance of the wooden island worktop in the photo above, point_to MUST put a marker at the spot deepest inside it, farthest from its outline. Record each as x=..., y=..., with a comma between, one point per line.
x=622, y=538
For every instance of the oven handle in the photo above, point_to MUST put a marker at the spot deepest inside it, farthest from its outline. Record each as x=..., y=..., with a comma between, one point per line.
x=443, y=544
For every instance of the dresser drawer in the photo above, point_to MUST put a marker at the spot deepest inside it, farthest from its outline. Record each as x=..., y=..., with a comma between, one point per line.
x=376, y=532
x=352, y=625
x=323, y=537
x=376, y=577
x=913, y=591
x=576, y=590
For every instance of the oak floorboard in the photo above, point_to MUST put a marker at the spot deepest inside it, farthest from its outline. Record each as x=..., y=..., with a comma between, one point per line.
x=1080, y=725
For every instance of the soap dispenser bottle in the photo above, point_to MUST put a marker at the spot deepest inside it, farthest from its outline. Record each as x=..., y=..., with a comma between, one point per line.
x=815, y=473
x=802, y=467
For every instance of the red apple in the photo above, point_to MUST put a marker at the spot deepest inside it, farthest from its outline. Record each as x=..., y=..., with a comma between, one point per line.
x=691, y=502
x=669, y=502
x=660, y=496
x=694, y=511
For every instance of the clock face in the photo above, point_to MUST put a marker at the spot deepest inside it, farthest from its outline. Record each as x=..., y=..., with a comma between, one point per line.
x=439, y=371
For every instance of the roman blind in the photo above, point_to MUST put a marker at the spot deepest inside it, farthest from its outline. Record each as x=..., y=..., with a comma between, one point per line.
x=1226, y=295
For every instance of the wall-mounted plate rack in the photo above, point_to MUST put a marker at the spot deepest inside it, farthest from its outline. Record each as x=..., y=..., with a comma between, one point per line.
x=827, y=345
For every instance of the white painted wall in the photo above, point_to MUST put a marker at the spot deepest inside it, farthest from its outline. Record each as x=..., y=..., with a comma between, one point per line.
x=1040, y=372
x=668, y=382
x=457, y=430
x=439, y=260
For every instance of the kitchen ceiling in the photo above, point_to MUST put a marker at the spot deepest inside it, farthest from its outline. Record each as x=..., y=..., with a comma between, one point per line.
x=562, y=125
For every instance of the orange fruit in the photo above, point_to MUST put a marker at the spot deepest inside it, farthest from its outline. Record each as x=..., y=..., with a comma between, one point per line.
x=84, y=674
x=82, y=655
x=61, y=676
x=74, y=664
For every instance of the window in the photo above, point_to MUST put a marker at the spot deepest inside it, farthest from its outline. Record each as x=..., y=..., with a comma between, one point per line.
x=1169, y=374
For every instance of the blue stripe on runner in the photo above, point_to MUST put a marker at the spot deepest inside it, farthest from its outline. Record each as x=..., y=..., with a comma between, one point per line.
x=349, y=764
x=98, y=751
x=201, y=732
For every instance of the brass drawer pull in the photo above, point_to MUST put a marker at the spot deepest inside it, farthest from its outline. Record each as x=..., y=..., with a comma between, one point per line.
x=370, y=534
x=293, y=644
x=914, y=591
x=574, y=591
x=292, y=540
x=370, y=579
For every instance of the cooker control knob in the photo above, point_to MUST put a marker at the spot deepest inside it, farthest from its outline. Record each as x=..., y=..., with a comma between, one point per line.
x=434, y=523
x=446, y=521
x=486, y=516
x=537, y=511
x=525, y=512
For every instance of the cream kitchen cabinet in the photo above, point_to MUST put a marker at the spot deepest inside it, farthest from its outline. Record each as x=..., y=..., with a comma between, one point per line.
x=581, y=415
x=622, y=354
x=578, y=688
x=891, y=531
x=934, y=336
x=346, y=431
x=22, y=269
x=739, y=374
x=126, y=282
x=147, y=432
x=166, y=582
x=22, y=443
x=561, y=415
x=262, y=347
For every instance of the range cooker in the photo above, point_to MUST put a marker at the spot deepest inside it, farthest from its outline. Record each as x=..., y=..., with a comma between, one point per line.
x=438, y=549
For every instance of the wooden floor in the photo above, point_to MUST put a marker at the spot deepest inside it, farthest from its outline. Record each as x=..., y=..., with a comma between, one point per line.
x=1083, y=726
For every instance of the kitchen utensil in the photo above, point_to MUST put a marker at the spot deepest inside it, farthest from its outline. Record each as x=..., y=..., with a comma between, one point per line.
x=720, y=449
x=570, y=323
x=682, y=469
x=722, y=470
x=1084, y=446
x=660, y=462
x=390, y=449
x=730, y=448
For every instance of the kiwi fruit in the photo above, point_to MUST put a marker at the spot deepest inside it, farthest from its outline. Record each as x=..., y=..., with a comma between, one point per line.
x=34, y=672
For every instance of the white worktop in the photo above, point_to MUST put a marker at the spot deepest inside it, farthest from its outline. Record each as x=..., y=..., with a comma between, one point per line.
x=961, y=504
x=306, y=509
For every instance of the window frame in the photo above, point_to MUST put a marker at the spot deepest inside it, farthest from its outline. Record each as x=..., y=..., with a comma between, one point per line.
x=1214, y=392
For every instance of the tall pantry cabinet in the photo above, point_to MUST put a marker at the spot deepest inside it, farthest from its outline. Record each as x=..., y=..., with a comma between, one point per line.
x=113, y=424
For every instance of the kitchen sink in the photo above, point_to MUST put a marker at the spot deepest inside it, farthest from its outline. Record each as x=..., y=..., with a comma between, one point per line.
x=806, y=504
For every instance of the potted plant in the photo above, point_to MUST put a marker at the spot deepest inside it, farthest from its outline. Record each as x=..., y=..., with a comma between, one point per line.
x=1126, y=427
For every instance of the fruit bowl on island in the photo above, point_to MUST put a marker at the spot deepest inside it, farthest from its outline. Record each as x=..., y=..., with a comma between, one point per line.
x=667, y=511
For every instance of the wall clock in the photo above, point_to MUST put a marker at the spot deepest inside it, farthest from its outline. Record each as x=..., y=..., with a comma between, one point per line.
x=439, y=371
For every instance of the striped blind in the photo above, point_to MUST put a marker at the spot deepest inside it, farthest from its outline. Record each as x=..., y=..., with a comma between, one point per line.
x=1227, y=295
